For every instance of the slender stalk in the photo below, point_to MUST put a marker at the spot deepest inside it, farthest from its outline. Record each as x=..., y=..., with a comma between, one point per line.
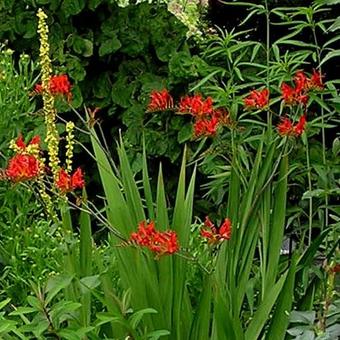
x=309, y=176
x=323, y=133
x=269, y=115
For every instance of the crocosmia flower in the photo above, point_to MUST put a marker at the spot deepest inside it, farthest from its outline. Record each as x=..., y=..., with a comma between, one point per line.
x=291, y=96
x=20, y=143
x=160, y=101
x=315, y=82
x=196, y=106
x=300, y=126
x=206, y=127
x=58, y=85
x=286, y=127
x=257, y=99
x=214, y=234
x=22, y=167
x=66, y=183
x=161, y=243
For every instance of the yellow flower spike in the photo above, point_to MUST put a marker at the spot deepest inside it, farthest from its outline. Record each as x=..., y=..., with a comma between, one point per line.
x=52, y=136
x=69, y=146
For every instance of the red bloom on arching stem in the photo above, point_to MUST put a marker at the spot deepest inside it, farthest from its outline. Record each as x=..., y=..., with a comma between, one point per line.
x=20, y=142
x=63, y=182
x=300, y=80
x=196, y=105
x=291, y=96
x=22, y=145
x=285, y=128
x=315, y=82
x=58, y=85
x=66, y=183
x=225, y=229
x=215, y=235
x=288, y=93
x=160, y=101
x=38, y=88
x=257, y=99
x=206, y=127
x=22, y=168
x=77, y=179
x=300, y=126
x=158, y=242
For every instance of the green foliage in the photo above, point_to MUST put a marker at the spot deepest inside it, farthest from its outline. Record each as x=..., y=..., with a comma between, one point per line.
x=16, y=107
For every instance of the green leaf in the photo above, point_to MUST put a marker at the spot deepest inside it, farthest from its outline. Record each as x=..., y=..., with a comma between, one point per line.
x=185, y=133
x=23, y=310
x=136, y=318
x=122, y=91
x=63, y=311
x=304, y=317
x=155, y=335
x=7, y=326
x=109, y=46
x=336, y=25
x=89, y=283
x=83, y=46
x=329, y=56
x=261, y=316
x=72, y=7
x=93, y=4
x=4, y=303
x=56, y=284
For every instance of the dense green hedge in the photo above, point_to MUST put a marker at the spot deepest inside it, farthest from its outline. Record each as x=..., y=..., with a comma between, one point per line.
x=115, y=57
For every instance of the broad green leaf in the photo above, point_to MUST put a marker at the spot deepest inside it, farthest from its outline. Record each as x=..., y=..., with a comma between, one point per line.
x=56, y=284
x=260, y=318
x=136, y=317
x=4, y=303
x=109, y=46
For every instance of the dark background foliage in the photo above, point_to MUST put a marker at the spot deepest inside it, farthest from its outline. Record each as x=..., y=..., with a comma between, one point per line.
x=116, y=56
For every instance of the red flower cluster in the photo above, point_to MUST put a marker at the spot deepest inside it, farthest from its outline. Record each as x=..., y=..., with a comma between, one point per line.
x=159, y=242
x=20, y=143
x=196, y=106
x=59, y=85
x=299, y=93
x=160, y=101
x=257, y=99
x=67, y=183
x=286, y=127
x=207, y=119
x=215, y=235
x=206, y=127
x=22, y=167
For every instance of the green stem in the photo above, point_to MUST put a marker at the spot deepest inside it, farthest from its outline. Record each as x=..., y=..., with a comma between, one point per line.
x=269, y=115
x=310, y=213
x=323, y=133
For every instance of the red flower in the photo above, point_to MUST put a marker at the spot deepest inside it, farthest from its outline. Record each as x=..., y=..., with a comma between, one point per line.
x=196, y=106
x=315, y=82
x=300, y=126
x=159, y=242
x=22, y=168
x=67, y=183
x=257, y=99
x=206, y=127
x=288, y=93
x=58, y=85
x=22, y=145
x=300, y=80
x=160, y=101
x=286, y=127
x=215, y=235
